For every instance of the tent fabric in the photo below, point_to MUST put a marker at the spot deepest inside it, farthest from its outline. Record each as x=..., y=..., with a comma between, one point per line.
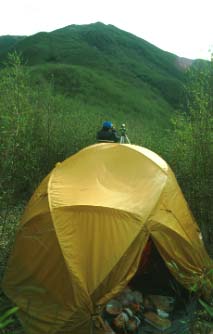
x=83, y=232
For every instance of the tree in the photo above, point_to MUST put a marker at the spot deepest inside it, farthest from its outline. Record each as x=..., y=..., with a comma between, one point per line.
x=193, y=155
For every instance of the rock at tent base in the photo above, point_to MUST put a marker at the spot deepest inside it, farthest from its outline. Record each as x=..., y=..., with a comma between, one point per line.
x=153, y=319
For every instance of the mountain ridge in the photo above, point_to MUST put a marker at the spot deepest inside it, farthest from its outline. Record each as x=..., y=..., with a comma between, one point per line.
x=74, y=27
x=105, y=65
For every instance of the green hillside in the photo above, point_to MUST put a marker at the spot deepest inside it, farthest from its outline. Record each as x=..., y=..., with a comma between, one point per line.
x=111, y=61
x=8, y=42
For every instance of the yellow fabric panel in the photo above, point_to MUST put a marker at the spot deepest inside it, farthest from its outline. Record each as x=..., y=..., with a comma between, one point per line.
x=123, y=271
x=37, y=279
x=152, y=156
x=173, y=200
x=175, y=247
x=100, y=251
x=173, y=211
x=178, y=237
x=86, y=327
x=91, y=251
x=179, y=257
x=109, y=175
x=92, y=241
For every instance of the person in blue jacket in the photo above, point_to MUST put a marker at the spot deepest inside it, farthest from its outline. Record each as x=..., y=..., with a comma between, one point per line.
x=108, y=133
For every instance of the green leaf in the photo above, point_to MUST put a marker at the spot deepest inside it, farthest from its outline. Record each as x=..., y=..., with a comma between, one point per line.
x=194, y=287
x=210, y=271
x=5, y=323
x=207, y=307
x=8, y=313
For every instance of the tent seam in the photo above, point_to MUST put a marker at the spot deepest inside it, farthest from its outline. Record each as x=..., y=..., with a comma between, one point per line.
x=153, y=162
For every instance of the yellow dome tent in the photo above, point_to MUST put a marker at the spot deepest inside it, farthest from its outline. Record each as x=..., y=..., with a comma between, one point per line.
x=83, y=232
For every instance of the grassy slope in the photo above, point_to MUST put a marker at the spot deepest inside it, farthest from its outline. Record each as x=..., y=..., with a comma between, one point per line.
x=7, y=42
x=103, y=65
x=107, y=48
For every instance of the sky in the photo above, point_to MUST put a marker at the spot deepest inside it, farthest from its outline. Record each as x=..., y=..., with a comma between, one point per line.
x=182, y=27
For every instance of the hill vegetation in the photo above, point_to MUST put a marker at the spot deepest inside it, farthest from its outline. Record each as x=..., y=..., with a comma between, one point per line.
x=7, y=42
x=106, y=50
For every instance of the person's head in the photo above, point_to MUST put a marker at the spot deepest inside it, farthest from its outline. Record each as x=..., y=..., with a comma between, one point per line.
x=107, y=125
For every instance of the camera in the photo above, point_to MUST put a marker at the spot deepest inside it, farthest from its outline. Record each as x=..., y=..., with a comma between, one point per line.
x=123, y=129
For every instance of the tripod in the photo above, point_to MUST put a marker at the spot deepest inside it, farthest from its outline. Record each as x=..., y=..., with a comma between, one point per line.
x=124, y=138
